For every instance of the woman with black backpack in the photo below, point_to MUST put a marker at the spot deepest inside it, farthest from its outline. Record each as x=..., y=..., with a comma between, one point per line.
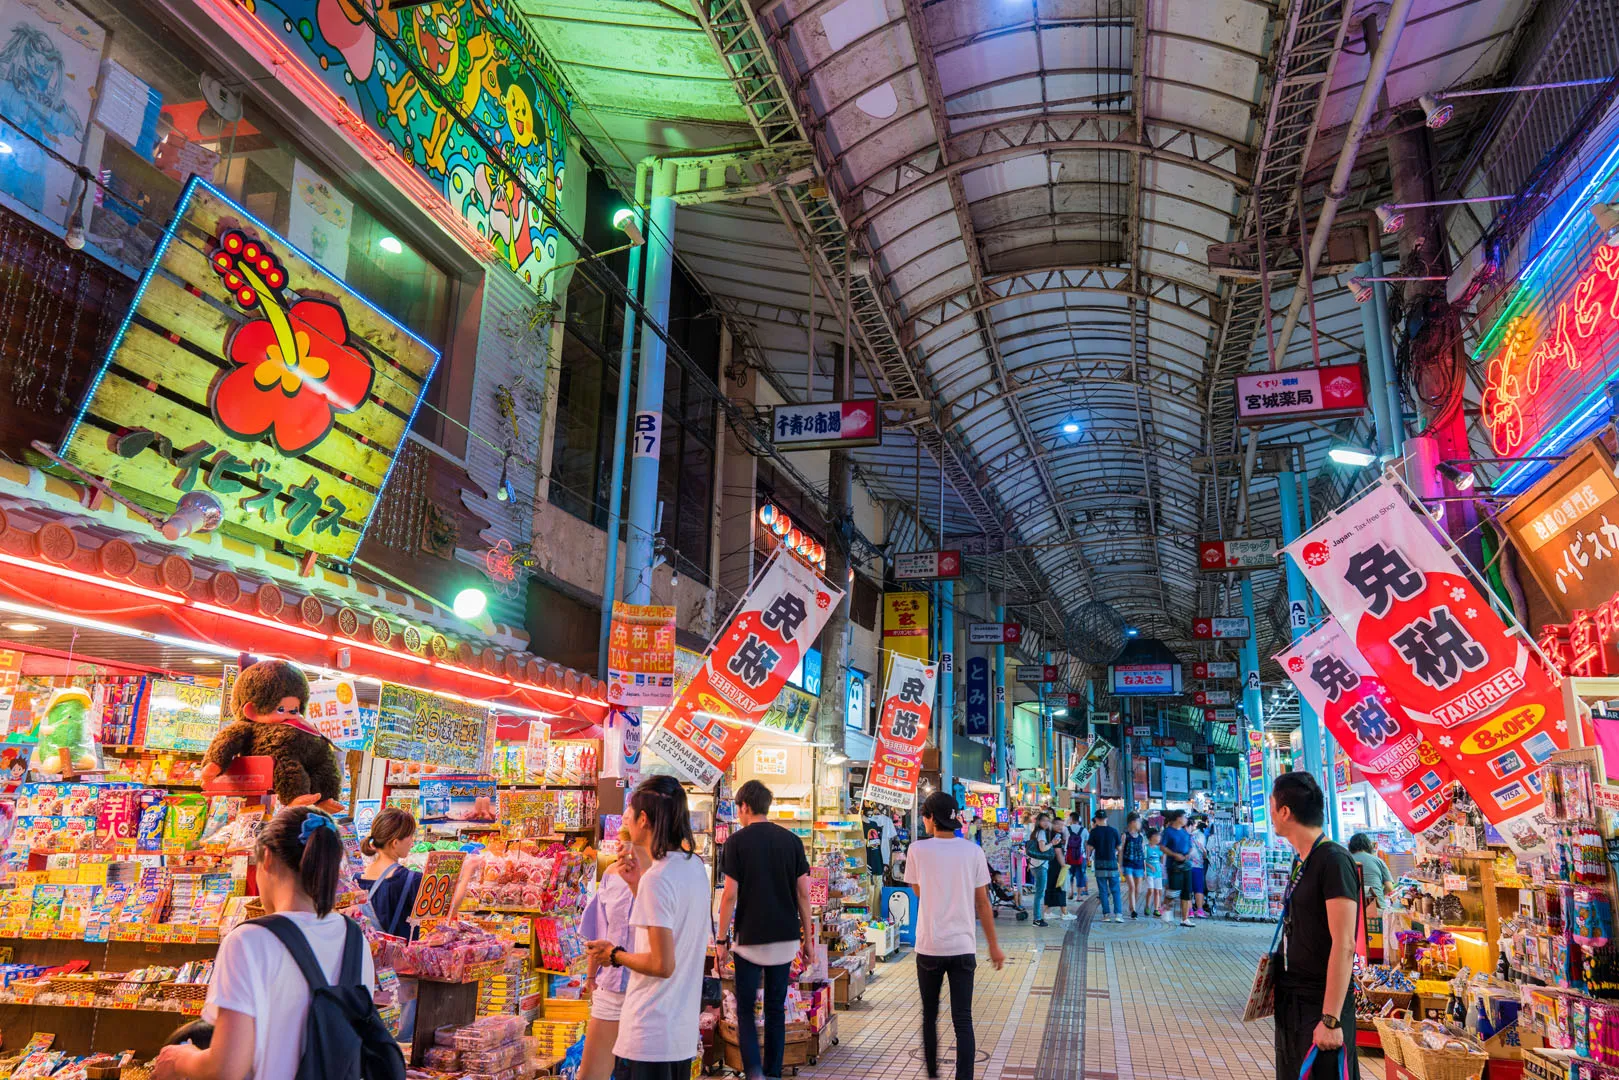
x=259, y=1000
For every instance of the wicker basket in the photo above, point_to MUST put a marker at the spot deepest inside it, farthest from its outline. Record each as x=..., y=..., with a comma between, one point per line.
x=1389, y=1029
x=1380, y=998
x=1425, y=1064
x=182, y=996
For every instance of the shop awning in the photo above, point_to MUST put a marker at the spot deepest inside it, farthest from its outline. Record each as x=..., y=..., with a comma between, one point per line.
x=66, y=562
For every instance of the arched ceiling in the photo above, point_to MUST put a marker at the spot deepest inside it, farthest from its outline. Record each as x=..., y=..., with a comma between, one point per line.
x=1013, y=209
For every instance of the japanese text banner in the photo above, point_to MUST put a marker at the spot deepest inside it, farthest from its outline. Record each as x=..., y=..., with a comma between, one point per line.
x=1370, y=726
x=1426, y=631
x=902, y=731
x=641, y=655
x=747, y=666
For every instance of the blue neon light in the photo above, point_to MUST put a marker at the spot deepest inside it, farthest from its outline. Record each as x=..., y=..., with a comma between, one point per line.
x=152, y=270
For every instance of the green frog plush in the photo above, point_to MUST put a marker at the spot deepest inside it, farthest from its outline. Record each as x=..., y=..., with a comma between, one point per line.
x=66, y=726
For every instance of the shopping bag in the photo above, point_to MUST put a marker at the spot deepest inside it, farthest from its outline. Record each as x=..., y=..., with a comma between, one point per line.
x=1262, y=994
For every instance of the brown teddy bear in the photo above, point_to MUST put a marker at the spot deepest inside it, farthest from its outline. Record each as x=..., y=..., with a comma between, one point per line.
x=269, y=699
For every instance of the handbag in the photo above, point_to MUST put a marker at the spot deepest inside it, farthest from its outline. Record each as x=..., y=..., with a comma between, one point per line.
x=1309, y=1062
x=1262, y=993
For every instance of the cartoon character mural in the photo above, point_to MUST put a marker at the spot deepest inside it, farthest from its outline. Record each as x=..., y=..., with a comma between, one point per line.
x=481, y=65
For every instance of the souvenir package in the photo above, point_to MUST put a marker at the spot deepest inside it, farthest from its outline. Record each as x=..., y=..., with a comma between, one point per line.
x=183, y=821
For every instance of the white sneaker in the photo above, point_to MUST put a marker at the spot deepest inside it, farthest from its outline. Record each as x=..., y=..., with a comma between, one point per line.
x=1169, y=916
x=1069, y=918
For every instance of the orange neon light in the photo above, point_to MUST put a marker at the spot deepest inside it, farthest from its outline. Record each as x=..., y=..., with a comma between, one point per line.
x=366, y=645
x=260, y=620
x=1577, y=327
x=474, y=674
x=92, y=579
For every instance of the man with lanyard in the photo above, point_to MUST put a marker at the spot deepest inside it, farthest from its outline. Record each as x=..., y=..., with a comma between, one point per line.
x=1314, y=1000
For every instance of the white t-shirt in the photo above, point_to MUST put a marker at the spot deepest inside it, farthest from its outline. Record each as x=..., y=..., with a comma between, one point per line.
x=947, y=874
x=255, y=975
x=659, y=1021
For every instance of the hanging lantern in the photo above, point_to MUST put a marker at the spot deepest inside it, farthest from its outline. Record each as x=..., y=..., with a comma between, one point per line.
x=767, y=515
x=782, y=525
x=794, y=538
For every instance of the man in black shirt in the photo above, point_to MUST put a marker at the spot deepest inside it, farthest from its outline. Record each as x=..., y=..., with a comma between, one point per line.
x=767, y=885
x=1104, y=842
x=1314, y=1001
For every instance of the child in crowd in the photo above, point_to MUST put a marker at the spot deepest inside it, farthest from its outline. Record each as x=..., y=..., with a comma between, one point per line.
x=1155, y=874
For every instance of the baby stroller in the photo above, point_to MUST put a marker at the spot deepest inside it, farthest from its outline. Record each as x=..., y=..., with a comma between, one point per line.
x=1002, y=895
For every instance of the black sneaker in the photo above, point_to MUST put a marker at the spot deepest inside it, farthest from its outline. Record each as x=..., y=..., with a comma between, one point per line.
x=1132, y=914
x=1041, y=922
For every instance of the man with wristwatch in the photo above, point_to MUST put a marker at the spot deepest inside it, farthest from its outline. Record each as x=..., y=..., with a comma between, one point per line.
x=1315, y=1002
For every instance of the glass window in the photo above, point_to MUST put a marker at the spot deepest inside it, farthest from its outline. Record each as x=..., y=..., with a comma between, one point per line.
x=144, y=166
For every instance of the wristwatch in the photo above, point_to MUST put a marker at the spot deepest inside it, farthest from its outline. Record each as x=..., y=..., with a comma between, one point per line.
x=722, y=941
x=1329, y=1021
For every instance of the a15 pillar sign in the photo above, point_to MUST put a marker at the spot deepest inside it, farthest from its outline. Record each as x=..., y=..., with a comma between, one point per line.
x=1406, y=769
x=1473, y=688
x=902, y=731
x=747, y=666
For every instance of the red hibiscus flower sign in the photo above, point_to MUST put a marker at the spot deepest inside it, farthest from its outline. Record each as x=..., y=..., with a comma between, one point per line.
x=295, y=366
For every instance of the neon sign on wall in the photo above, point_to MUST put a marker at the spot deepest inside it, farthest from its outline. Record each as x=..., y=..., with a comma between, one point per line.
x=1548, y=359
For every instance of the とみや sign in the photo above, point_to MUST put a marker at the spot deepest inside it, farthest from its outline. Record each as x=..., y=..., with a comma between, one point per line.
x=925, y=565
x=1566, y=528
x=1220, y=627
x=1369, y=724
x=1552, y=355
x=1214, y=556
x=1316, y=392
x=248, y=371
x=1473, y=687
x=827, y=425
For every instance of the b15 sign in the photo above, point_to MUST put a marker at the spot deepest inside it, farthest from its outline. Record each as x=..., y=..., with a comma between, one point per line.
x=1474, y=689
x=1216, y=669
x=746, y=668
x=249, y=372
x=1318, y=392
x=925, y=565
x=1222, y=627
x=1404, y=767
x=1230, y=555
x=827, y=425
x=994, y=633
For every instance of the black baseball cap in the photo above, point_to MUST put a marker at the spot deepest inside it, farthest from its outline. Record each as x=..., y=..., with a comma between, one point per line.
x=940, y=808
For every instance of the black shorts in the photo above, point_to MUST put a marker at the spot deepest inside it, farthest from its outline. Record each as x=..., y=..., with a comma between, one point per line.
x=625, y=1069
x=1175, y=881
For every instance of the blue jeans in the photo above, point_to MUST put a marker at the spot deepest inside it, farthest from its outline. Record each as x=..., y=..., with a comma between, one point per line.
x=747, y=1033
x=1107, y=889
x=1041, y=871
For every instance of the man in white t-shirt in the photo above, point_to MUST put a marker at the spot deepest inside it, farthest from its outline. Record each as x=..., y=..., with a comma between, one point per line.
x=951, y=879
x=657, y=1029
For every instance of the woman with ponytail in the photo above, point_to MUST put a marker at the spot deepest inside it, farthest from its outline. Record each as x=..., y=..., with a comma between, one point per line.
x=258, y=999
x=391, y=886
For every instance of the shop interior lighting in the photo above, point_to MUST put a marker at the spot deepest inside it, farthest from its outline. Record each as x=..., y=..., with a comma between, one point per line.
x=24, y=627
x=205, y=659
x=391, y=245
x=1357, y=456
x=1361, y=287
x=1392, y=215
x=1462, y=478
x=5, y=147
x=1132, y=632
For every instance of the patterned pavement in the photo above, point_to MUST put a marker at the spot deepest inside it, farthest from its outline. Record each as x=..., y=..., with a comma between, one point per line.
x=1141, y=1000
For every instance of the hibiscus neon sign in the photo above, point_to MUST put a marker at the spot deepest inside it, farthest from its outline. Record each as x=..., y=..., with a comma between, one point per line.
x=1530, y=369
x=247, y=369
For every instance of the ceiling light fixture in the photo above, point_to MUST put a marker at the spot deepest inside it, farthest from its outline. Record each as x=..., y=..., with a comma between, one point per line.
x=1358, y=456
x=24, y=627
x=1436, y=113
x=1392, y=215
x=1390, y=218
x=205, y=659
x=1069, y=427
x=1462, y=479
x=391, y=245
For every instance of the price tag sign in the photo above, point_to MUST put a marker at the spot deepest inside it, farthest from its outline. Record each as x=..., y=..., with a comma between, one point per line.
x=1455, y=883
x=438, y=884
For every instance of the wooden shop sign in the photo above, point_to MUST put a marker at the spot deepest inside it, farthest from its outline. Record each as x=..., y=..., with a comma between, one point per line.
x=1566, y=529
x=246, y=370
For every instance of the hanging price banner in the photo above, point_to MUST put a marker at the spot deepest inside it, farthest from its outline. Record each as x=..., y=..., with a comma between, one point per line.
x=1473, y=688
x=896, y=769
x=439, y=876
x=1369, y=724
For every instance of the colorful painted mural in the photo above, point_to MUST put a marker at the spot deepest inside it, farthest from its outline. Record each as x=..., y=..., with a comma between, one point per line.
x=484, y=67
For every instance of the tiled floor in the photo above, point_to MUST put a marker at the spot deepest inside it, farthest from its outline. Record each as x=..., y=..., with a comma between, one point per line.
x=1159, y=1003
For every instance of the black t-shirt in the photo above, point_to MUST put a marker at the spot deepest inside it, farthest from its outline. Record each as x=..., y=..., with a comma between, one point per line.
x=876, y=857
x=1328, y=874
x=765, y=861
x=1104, y=840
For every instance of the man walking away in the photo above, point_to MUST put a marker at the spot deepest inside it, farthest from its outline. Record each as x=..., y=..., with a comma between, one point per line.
x=951, y=879
x=1313, y=996
x=1104, y=843
x=1177, y=848
x=767, y=885
x=1074, y=855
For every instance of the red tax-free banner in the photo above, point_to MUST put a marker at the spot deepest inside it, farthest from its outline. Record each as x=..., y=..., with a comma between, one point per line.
x=1475, y=690
x=902, y=731
x=747, y=666
x=1370, y=726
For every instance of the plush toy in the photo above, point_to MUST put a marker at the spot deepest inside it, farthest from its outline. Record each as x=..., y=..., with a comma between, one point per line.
x=66, y=727
x=269, y=699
